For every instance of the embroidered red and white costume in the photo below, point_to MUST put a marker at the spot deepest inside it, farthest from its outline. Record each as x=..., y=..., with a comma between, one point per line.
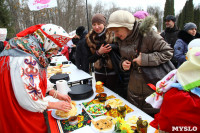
x=23, y=81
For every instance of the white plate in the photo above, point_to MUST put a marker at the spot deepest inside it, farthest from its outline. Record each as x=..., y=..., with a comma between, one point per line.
x=92, y=106
x=98, y=131
x=53, y=113
x=106, y=103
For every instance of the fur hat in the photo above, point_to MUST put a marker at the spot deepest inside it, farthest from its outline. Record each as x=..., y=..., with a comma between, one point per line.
x=80, y=30
x=121, y=18
x=141, y=14
x=99, y=18
x=189, y=26
x=170, y=17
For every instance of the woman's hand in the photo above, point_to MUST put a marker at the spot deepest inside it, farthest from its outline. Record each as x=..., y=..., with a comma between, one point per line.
x=61, y=105
x=104, y=49
x=60, y=96
x=64, y=97
x=138, y=60
x=126, y=65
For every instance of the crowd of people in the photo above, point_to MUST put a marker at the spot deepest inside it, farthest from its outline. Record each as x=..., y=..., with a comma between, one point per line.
x=118, y=48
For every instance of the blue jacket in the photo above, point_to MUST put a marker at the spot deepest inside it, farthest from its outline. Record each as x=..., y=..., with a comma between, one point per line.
x=180, y=49
x=181, y=46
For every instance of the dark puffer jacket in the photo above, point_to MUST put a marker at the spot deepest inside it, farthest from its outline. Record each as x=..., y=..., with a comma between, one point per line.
x=170, y=35
x=82, y=61
x=154, y=51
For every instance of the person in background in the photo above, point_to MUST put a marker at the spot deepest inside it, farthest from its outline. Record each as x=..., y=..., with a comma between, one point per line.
x=184, y=38
x=131, y=35
x=140, y=15
x=23, y=79
x=82, y=61
x=72, y=49
x=98, y=41
x=170, y=34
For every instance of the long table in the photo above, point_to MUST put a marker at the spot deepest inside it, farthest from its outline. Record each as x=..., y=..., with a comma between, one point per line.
x=76, y=75
x=137, y=112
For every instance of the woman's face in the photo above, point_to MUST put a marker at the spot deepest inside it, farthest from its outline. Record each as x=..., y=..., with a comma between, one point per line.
x=53, y=51
x=121, y=32
x=97, y=27
x=192, y=31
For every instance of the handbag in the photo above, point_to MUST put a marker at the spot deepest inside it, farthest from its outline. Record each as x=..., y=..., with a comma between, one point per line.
x=153, y=74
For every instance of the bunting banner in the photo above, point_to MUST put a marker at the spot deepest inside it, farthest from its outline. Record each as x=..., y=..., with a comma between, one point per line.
x=35, y=5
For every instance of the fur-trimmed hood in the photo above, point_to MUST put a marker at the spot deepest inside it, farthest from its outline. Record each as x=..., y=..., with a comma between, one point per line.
x=146, y=25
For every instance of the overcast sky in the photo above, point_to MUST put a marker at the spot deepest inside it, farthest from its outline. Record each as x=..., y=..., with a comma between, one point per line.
x=178, y=4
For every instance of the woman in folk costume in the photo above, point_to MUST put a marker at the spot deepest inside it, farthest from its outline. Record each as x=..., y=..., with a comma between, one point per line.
x=178, y=95
x=23, y=64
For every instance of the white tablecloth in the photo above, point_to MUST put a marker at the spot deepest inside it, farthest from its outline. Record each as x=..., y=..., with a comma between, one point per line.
x=75, y=73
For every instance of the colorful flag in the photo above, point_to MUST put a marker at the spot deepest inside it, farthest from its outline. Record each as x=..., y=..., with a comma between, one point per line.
x=35, y=5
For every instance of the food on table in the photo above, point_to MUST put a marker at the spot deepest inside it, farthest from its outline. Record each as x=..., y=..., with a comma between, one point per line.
x=108, y=107
x=73, y=120
x=103, y=124
x=66, y=72
x=64, y=114
x=96, y=109
x=66, y=65
x=132, y=120
x=99, y=87
x=102, y=97
x=114, y=103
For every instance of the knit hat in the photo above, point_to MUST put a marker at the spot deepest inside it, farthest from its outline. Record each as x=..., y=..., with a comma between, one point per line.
x=80, y=30
x=121, y=18
x=189, y=26
x=99, y=18
x=170, y=17
x=141, y=14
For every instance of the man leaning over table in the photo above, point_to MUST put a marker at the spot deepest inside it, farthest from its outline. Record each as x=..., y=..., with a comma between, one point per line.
x=23, y=64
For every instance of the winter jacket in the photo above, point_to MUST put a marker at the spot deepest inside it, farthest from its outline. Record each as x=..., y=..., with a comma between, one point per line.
x=171, y=35
x=82, y=61
x=102, y=63
x=181, y=46
x=154, y=51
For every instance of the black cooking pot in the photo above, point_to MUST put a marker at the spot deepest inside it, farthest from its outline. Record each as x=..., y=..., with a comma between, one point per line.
x=57, y=77
x=80, y=92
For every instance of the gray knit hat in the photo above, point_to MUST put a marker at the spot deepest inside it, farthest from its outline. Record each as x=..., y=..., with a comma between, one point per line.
x=121, y=18
x=189, y=26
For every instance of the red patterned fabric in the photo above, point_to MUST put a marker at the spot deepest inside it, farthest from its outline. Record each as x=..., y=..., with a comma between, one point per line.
x=57, y=39
x=179, y=109
x=65, y=52
x=13, y=118
x=52, y=123
x=29, y=30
